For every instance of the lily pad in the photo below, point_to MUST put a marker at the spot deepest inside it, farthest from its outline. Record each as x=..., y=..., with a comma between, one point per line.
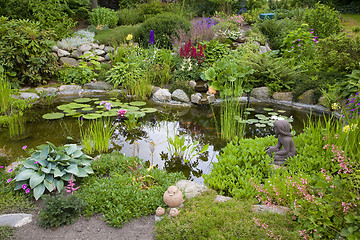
x=250, y=109
x=100, y=106
x=260, y=116
x=273, y=113
x=131, y=108
x=52, y=116
x=110, y=114
x=138, y=103
x=260, y=125
x=149, y=110
x=64, y=107
x=71, y=113
x=83, y=100
x=268, y=109
x=137, y=114
x=92, y=116
x=281, y=111
x=87, y=109
x=117, y=104
x=246, y=113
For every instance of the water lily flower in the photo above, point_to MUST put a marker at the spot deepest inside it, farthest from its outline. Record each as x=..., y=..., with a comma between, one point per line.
x=108, y=106
x=122, y=112
x=24, y=147
x=27, y=190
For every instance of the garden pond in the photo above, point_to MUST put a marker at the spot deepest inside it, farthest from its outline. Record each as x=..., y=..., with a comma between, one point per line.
x=149, y=141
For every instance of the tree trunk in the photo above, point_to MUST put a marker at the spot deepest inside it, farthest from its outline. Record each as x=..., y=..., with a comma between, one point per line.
x=93, y=4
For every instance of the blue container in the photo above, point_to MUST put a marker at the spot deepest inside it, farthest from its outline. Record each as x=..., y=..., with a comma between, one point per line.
x=267, y=15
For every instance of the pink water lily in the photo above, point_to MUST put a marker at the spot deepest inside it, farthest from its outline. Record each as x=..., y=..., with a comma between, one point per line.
x=122, y=112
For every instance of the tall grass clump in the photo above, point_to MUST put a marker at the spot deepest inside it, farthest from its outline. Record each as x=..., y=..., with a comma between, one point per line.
x=5, y=94
x=96, y=137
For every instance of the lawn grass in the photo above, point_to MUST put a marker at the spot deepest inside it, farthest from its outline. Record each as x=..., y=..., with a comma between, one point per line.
x=349, y=21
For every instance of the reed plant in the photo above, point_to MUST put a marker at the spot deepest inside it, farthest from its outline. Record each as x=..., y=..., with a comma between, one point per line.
x=96, y=137
x=5, y=94
x=16, y=124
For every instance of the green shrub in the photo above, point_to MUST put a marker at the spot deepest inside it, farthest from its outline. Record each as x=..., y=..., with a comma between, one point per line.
x=25, y=51
x=60, y=211
x=79, y=9
x=117, y=35
x=128, y=191
x=339, y=53
x=276, y=30
x=252, y=16
x=201, y=218
x=129, y=16
x=164, y=25
x=103, y=16
x=128, y=3
x=123, y=72
x=75, y=75
x=215, y=51
x=240, y=161
x=324, y=20
x=148, y=10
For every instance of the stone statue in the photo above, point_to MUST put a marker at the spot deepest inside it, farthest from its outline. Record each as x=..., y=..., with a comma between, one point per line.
x=173, y=197
x=282, y=132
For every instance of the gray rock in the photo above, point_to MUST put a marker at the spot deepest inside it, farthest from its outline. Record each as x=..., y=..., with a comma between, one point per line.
x=26, y=95
x=192, y=84
x=101, y=59
x=221, y=199
x=256, y=43
x=15, y=220
x=95, y=45
x=62, y=53
x=180, y=95
x=107, y=57
x=261, y=93
x=102, y=46
x=307, y=97
x=98, y=85
x=272, y=209
x=154, y=89
x=108, y=49
x=90, y=54
x=211, y=98
x=190, y=188
x=283, y=96
x=85, y=47
x=54, y=48
x=70, y=61
x=267, y=47
x=47, y=91
x=263, y=49
x=196, y=98
x=162, y=95
x=76, y=54
x=99, y=52
x=70, y=88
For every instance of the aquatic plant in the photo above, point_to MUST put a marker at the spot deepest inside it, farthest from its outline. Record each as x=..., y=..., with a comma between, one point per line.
x=96, y=137
x=131, y=122
x=178, y=148
x=49, y=166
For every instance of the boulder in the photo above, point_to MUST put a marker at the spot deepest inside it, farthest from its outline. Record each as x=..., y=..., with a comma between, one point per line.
x=190, y=188
x=26, y=95
x=70, y=61
x=211, y=98
x=162, y=95
x=90, y=54
x=101, y=59
x=102, y=46
x=180, y=95
x=54, y=48
x=261, y=93
x=95, y=45
x=154, y=89
x=62, y=53
x=272, y=209
x=196, y=98
x=99, y=52
x=263, y=49
x=76, y=54
x=221, y=199
x=307, y=97
x=70, y=88
x=192, y=83
x=108, y=49
x=283, y=96
x=201, y=86
x=47, y=91
x=98, y=85
x=107, y=57
x=85, y=47
x=15, y=219
x=267, y=47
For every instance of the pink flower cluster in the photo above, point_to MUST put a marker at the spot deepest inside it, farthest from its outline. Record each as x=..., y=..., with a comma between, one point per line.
x=303, y=191
x=266, y=227
x=70, y=187
x=268, y=200
x=305, y=235
x=347, y=205
x=236, y=19
x=339, y=156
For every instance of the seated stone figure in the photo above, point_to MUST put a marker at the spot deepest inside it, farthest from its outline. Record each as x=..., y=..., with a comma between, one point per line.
x=282, y=132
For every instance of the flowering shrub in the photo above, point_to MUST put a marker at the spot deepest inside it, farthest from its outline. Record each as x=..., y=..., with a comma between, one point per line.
x=235, y=19
x=192, y=52
x=354, y=106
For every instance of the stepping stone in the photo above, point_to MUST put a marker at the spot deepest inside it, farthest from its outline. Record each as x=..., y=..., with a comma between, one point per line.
x=15, y=220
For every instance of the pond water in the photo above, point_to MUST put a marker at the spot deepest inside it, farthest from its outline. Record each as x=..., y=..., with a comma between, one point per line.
x=196, y=123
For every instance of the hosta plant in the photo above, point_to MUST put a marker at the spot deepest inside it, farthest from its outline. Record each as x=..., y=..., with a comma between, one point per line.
x=49, y=166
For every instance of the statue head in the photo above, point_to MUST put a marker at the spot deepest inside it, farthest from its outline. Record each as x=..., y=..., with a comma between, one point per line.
x=282, y=127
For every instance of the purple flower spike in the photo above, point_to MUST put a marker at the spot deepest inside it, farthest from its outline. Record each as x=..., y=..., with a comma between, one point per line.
x=151, y=36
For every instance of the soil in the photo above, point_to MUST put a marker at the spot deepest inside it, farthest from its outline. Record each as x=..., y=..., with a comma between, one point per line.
x=93, y=228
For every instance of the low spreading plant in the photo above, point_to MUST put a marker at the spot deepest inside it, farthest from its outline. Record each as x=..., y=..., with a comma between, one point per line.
x=128, y=190
x=49, y=166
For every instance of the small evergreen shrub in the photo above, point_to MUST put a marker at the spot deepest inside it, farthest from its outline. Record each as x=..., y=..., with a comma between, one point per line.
x=129, y=16
x=103, y=16
x=164, y=25
x=339, y=53
x=25, y=51
x=79, y=9
x=117, y=35
x=60, y=211
x=148, y=10
x=324, y=20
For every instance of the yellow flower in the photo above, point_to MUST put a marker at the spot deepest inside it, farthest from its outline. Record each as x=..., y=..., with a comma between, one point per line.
x=129, y=37
x=335, y=106
x=348, y=128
